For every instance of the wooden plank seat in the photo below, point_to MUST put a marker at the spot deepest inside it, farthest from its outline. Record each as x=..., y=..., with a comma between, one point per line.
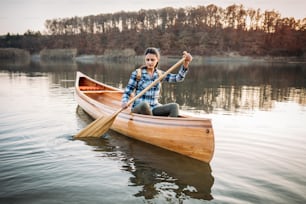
x=102, y=91
x=97, y=89
x=90, y=88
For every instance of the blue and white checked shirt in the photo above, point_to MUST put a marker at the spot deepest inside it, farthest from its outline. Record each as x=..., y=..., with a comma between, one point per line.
x=152, y=95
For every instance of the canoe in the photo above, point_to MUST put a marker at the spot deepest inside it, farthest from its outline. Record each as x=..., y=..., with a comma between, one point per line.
x=186, y=135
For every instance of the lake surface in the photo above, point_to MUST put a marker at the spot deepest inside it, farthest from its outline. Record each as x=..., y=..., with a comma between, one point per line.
x=258, y=113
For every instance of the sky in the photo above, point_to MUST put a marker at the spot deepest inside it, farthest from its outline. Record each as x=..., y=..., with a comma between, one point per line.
x=19, y=16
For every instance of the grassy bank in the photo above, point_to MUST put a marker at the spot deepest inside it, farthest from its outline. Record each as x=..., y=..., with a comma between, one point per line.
x=58, y=54
x=14, y=56
x=197, y=60
x=19, y=56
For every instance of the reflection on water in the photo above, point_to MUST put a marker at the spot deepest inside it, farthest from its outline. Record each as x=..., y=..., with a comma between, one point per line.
x=216, y=88
x=258, y=114
x=209, y=88
x=156, y=170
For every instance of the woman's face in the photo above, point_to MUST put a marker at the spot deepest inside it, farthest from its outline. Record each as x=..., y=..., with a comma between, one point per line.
x=151, y=61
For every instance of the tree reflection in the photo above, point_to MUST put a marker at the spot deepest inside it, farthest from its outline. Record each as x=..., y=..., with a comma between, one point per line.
x=211, y=87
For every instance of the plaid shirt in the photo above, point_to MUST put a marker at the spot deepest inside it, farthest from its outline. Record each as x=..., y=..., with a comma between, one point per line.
x=152, y=95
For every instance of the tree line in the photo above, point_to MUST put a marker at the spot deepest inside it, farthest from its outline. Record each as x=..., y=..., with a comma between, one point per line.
x=202, y=30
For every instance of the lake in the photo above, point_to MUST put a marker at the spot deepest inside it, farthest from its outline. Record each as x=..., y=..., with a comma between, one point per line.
x=258, y=113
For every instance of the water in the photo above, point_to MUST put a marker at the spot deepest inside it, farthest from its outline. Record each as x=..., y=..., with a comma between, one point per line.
x=258, y=114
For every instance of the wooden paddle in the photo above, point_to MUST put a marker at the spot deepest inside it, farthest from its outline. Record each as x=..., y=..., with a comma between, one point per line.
x=101, y=125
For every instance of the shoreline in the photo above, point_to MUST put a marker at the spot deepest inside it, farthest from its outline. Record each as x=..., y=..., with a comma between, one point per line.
x=127, y=55
x=197, y=60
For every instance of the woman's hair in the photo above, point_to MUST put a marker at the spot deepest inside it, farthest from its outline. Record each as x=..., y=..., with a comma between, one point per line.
x=154, y=51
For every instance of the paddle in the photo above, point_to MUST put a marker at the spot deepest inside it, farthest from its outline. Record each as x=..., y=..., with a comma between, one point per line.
x=101, y=125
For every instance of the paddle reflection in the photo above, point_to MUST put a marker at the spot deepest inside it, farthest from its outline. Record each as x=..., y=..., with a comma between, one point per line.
x=158, y=171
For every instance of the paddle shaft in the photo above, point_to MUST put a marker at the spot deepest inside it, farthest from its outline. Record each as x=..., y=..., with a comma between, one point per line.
x=102, y=124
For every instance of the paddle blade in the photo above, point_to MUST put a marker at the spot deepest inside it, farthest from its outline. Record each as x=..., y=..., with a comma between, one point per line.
x=98, y=127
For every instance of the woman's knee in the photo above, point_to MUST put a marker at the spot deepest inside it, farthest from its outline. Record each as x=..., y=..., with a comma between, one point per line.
x=170, y=109
x=142, y=108
x=174, y=109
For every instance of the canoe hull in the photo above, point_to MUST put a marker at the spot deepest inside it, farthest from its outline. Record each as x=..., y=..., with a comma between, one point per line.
x=190, y=136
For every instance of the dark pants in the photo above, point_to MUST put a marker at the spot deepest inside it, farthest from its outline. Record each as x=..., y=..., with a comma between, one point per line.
x=170, y=109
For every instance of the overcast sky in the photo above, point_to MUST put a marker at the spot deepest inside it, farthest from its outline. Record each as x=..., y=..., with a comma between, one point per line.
x=18, y=16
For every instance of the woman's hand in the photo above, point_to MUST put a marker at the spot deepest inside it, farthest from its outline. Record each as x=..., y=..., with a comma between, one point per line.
x=188, y=59
x=124, y=105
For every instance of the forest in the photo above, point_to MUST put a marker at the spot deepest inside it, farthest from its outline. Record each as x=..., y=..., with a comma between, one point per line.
x=203, y=30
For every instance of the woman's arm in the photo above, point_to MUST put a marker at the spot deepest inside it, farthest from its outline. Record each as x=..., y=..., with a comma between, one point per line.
x=180, y=76
x=129, y=89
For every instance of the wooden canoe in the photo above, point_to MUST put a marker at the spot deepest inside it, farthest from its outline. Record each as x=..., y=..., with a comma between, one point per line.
x=187, y=135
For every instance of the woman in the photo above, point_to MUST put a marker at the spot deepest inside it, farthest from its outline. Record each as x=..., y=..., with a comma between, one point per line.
x=148, y=103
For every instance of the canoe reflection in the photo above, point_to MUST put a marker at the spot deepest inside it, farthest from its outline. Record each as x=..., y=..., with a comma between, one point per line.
x=157, y=170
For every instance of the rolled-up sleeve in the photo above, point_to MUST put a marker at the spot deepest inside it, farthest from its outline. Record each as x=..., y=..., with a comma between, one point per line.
x=129, y=88
x=180, y=76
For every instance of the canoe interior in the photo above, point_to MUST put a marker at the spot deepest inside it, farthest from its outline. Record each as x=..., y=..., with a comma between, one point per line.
x=107, y=95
